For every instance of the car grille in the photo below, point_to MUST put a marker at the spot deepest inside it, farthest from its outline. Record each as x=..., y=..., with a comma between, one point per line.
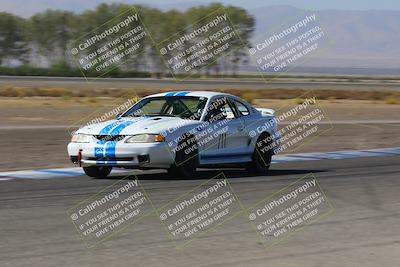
x=110, y=137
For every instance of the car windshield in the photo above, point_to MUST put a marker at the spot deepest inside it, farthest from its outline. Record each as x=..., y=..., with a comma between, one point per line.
x=185, y=107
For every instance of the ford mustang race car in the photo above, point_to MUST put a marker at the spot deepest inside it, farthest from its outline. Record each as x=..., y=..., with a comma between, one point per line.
x=179, y=131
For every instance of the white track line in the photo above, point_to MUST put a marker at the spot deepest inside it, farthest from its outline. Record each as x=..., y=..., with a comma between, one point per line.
x=381, y=152
x=73, y=172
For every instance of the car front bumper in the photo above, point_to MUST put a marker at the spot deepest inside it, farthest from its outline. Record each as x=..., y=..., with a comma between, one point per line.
x=119, y=154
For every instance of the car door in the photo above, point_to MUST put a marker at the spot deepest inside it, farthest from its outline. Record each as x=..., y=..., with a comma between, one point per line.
x=238, y=141
x=226, y=132
x=244, y=114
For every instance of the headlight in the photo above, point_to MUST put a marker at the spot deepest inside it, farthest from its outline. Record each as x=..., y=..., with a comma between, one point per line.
x=145, y=138
x=82, y=138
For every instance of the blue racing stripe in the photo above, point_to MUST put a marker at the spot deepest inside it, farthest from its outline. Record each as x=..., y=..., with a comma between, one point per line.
x=108, y=128
x=107, y=148
x=117, y=130
x=177, y=93
x=181, y=93
x=110, y=149
x=99, y=149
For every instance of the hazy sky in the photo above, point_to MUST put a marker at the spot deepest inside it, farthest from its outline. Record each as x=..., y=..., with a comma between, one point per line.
x=26, y=8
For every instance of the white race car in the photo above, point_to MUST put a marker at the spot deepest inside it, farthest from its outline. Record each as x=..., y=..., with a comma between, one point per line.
x=179, y=131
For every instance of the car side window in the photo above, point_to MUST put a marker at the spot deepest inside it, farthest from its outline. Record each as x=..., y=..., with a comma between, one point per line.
x=241, y=108
x=220, y=109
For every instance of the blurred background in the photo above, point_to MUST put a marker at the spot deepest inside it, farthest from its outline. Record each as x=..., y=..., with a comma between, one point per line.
x=354, y=73
x=44, y=97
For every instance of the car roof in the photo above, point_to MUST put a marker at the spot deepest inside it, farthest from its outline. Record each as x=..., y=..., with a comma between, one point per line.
x=207, y=94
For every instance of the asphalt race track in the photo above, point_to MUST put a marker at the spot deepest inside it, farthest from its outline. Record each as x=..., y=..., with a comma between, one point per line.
x=362, y=230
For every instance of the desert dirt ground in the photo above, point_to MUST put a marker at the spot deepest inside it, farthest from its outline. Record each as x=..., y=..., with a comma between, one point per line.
x=34, y=131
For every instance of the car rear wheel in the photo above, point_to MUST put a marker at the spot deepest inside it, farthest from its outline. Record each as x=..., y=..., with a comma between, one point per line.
x=262, y=155
x=97, y=171
x=186, y=159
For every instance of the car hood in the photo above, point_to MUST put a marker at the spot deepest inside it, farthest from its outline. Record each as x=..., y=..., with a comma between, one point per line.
x=135, y=125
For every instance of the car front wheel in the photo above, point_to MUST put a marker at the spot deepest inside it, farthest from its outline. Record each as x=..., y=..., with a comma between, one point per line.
x=97, y=171
x=262, y=155
x=186, y=159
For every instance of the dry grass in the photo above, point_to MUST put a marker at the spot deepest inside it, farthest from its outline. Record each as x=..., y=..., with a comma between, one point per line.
x=391, y=100
x=248, y=95
x=299, y=101
x=10, y=91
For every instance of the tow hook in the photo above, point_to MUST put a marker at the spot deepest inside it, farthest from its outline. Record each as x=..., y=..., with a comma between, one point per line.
x=80, y=157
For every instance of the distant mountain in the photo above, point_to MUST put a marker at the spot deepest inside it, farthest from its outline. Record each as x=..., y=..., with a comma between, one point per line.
x=355, y=39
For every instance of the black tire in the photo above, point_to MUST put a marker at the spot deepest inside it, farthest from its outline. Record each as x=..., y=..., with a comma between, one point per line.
x=97, y=171
x=262, y=155
x=186, y=159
